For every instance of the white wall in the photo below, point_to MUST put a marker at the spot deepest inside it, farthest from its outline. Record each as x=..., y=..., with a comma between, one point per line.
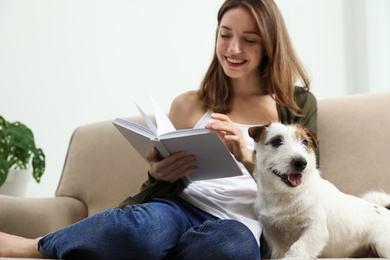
x=68, y=63
x=378, y=42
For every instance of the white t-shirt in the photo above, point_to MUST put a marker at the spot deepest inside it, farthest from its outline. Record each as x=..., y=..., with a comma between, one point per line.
x=227, y=198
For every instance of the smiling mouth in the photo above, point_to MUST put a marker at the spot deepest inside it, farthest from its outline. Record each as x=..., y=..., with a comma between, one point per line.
x=291, y=180
x=235, y=62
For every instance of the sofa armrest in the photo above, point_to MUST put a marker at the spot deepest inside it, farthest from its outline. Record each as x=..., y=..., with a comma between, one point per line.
x=35, y=217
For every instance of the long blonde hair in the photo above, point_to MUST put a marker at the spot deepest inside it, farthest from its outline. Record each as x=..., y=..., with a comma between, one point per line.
x=280, y=67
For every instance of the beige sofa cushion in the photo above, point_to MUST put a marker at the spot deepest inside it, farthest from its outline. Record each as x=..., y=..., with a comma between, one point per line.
x=354, y=133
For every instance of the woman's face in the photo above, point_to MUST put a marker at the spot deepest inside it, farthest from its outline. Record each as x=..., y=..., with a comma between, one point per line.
x=239, y=48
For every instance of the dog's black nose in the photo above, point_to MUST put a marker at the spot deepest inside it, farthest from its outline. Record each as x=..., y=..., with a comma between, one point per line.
x=299, y=164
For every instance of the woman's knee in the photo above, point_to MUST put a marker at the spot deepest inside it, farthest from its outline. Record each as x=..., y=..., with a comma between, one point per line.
x=238, y=241
x=220, y=239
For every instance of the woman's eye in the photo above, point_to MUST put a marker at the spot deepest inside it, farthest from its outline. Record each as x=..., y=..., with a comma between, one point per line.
x=225, y=36
x=250, y=41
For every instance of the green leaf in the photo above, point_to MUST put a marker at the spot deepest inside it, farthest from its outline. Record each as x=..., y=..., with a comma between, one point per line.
x=38, y=164
x=3, y=171
x=2, y=122
x=19, y=135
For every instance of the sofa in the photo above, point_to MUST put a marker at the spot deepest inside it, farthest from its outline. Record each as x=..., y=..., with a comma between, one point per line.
x=101, y=168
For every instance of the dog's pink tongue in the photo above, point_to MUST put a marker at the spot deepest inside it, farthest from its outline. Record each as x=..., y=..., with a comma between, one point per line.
x=295, y=179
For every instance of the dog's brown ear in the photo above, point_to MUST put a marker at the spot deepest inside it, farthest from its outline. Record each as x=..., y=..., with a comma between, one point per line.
x=314, y=137
x=256, y=132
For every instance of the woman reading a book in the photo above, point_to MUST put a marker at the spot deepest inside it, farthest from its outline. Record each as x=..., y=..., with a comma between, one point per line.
x=251, y=81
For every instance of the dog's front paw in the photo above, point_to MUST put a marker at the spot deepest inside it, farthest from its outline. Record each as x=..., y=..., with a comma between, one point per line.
x=297, y=255
x=302, y=251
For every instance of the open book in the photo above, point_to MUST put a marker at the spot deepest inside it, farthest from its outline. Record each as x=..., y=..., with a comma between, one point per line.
x=212, y=157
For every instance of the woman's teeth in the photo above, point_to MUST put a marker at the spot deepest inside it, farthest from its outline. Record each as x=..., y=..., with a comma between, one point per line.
x=235, y=61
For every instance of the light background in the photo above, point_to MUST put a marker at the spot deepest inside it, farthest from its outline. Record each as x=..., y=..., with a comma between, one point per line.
x=69, y=63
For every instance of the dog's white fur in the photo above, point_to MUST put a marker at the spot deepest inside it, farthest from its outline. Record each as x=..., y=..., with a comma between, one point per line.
x=311, y=219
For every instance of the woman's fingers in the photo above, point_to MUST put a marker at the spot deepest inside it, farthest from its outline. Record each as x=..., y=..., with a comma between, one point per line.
x=223, y=124
x=172, y=167
x=231, y=135
x=182, y=168
x=221, y=117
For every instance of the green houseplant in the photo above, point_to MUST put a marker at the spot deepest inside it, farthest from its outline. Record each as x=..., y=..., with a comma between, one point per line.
x=18, y=150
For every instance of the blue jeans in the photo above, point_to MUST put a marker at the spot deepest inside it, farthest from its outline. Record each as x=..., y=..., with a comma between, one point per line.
x=167, y=228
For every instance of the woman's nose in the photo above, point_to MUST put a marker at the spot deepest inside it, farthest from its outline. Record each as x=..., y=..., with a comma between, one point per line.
x=235, y=46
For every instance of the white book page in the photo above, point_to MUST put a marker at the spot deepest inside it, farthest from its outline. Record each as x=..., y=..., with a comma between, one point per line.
x=140, y=129
x=164, y=125
x=148, y=122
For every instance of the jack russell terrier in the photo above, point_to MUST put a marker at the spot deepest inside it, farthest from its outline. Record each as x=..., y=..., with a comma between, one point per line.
x=304, y=216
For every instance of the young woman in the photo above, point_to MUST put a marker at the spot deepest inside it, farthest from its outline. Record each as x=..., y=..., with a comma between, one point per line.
x=251, y=81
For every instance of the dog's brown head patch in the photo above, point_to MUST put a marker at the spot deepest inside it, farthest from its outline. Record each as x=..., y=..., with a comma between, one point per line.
x=256, y=132
x=310, y=136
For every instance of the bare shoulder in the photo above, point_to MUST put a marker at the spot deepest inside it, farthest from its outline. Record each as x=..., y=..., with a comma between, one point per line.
x=185, y=110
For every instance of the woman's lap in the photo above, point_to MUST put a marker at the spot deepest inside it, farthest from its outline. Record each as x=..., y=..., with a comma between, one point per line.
x=144, y=231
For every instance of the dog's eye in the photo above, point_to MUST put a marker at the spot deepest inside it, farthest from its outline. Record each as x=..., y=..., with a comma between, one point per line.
x=276, y=142
x=305, y=143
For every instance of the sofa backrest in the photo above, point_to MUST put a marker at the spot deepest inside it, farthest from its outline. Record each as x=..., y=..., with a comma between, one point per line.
x=102, y=168
x=354, y=134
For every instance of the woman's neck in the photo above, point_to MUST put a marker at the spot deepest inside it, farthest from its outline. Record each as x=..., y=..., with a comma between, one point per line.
x=251, y=103
x=253, y=86
x=253, y=109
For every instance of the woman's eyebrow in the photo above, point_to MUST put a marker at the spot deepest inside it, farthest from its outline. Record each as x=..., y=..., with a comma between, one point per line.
x=225, y=27
x=245, y=32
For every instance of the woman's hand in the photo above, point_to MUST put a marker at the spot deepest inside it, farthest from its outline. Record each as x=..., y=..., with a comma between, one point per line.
x=233, y=139
x=171, y=168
